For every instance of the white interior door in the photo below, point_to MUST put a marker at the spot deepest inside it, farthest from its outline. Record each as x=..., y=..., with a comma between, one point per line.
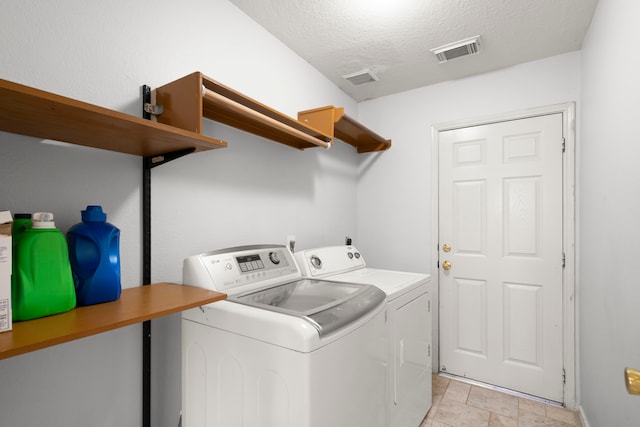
x=500, y=232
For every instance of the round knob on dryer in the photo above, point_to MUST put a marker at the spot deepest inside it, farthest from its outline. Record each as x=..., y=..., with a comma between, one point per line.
x=316, y=262
x=273, y=256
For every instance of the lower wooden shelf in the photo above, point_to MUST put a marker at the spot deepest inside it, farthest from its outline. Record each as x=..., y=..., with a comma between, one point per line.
x=135, y=305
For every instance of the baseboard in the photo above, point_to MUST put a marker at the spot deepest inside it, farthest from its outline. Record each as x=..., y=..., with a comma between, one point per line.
x=583, y=417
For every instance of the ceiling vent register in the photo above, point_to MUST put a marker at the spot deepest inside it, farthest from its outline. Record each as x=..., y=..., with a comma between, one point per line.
x=469, y=46
x=361, y=77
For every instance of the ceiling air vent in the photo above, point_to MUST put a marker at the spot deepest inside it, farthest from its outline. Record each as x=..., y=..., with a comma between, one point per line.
x=361, y=77
x=457, y=49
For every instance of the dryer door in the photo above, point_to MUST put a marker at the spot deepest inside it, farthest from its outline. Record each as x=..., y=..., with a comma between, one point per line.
x=411, y=356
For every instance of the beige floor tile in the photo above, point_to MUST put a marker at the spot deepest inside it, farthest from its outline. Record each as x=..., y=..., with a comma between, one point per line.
x=457, y=391
x=532, y=406
x=459, y=404
x=530, y=419
x=439, y=387
x=436, y=399
x=430, y=416
x=458, y=414
x=439, y=380
x=562, y=414
x=430, y=423
x=502, y=421
x=493, y=401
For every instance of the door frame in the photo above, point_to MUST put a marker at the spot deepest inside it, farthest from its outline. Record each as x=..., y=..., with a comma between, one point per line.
x=568, y=226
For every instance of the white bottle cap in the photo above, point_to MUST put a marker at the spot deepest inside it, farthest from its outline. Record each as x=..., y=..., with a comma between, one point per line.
x=42, y=220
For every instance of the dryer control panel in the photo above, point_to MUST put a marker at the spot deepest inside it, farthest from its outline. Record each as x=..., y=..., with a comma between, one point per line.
x=240, y=269
x=328, y=260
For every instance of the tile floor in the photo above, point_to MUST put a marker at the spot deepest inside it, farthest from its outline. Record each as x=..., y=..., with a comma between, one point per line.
x=458, y=404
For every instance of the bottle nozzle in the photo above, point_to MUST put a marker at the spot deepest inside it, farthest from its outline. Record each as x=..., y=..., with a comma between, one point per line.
x=43, y=220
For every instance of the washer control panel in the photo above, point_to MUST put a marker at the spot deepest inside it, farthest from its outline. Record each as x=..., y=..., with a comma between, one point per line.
x=240, y=269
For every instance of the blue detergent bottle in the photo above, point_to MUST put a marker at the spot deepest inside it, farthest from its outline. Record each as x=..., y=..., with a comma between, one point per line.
x=94, y=252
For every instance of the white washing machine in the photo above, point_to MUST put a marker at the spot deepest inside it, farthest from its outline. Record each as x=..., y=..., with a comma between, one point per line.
x=408, y=325
x=282, y=350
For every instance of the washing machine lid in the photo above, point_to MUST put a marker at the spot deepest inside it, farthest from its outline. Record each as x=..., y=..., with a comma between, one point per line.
x=327, y=305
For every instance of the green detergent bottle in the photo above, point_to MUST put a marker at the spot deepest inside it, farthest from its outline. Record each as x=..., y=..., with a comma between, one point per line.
x=44, y=283
x=21, y=222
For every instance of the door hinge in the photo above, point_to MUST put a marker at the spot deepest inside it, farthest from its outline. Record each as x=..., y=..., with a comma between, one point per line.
x=564, y=260
x=429, y=350
x=564, y=145
x=429, y=306
x=564, y=376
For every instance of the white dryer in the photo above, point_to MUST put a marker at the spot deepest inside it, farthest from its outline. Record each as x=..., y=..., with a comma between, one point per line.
x=282, y=350
x=408, y=325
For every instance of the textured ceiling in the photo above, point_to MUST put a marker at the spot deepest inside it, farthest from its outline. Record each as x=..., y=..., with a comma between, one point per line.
x=393, y=38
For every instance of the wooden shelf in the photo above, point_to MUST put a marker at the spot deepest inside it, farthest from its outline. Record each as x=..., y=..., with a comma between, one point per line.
x=188, y=100
x=135, y=305
x=332, y=120
x=28, y=111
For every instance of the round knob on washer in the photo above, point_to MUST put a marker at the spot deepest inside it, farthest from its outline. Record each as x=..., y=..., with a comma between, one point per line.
x=316, y=261
x=273, y=256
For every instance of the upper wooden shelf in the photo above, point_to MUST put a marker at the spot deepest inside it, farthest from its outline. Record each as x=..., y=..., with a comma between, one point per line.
x=333, y=121
x=135, y=305
x=188, y=100
x=33, y=112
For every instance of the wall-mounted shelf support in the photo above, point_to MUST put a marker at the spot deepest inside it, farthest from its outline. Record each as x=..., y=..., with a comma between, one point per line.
x=149, y=108
x=154, y=110
x=161, y=159
x=149, y=163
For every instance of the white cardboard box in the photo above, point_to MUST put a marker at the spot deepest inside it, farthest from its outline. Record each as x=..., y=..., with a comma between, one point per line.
x=5, y=270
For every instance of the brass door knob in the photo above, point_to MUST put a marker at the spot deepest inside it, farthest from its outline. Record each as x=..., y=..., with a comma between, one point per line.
x=632, y=380
x=446, y=265
x=446, y=247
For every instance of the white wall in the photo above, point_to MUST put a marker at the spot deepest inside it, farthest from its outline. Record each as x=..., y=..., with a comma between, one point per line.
x=609, y=294
x=254, y=191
